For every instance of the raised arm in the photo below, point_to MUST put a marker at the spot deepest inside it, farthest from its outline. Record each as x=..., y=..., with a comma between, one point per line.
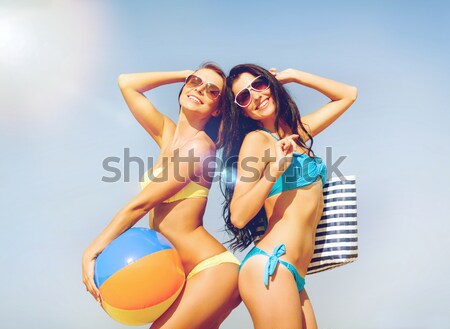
x=133, y=85
x=156, y=192
x=342, y=97
x=257, y=172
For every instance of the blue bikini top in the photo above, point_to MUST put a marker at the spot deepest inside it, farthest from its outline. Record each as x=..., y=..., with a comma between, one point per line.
x=303, y=171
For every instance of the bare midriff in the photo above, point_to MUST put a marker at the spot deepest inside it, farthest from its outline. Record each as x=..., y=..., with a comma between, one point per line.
x=292, y=220
x=181, y=223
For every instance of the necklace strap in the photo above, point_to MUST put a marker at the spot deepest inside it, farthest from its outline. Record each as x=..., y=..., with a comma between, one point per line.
x=268, y=131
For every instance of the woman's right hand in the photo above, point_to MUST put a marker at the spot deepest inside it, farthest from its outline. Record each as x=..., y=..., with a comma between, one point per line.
x=88, y=264
x=284, y=148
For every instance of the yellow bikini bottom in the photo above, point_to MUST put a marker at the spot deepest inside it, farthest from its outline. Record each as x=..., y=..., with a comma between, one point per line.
x=225, y=257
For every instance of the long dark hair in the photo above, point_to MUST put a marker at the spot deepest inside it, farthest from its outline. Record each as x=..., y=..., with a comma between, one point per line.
x=214, y=125
x=237, y=127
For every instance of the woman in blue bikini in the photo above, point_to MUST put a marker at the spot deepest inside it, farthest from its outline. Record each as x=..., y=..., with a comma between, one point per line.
x=279, y=184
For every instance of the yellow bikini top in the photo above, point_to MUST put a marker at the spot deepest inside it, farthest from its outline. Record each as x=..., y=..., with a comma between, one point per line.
x=191, y=191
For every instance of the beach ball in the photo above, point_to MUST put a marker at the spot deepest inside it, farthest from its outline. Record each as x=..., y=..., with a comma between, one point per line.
x=139, y=276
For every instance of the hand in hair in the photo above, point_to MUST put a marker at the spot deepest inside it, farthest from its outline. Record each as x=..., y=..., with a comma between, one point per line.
x=285, y=76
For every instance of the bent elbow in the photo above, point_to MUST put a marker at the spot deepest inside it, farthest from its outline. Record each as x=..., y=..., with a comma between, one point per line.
x=236, y=220
x=237, y=223
x=122, y=81
x=353, y=94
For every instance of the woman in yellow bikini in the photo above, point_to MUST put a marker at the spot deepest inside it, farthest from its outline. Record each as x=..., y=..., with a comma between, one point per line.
x=176, y=195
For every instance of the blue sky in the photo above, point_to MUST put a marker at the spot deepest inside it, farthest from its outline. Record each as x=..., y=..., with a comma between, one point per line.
x=61, y=114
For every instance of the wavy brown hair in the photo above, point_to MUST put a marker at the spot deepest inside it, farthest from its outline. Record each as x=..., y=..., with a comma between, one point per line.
x=237, y=127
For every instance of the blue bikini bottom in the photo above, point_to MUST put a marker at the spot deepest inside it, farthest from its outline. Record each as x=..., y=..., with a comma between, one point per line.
x=272, y=263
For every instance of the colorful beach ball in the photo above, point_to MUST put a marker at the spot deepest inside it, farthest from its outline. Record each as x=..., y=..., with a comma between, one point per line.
x=139, y=276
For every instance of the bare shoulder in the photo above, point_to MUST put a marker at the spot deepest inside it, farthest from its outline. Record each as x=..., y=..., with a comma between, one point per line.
x=257, y=137
x=256, y=142
x=202, y=151
x=204, y=142
x=202, y=145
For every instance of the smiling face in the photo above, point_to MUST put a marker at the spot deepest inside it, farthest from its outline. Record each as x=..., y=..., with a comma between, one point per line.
x=262, y=105
x=199, y=98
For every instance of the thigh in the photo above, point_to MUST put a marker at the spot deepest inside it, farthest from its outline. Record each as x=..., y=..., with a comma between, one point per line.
x=206, y=300
x=276, y=306
x=309, y=318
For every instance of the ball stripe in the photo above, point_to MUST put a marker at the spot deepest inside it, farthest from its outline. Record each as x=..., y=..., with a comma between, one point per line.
x=142, y=316
x=132, y=288
x=114, y=258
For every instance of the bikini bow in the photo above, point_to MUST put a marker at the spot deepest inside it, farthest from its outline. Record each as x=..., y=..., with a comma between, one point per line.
x=273, y=261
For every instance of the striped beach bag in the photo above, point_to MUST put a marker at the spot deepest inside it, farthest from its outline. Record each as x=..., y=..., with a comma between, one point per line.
x=336, y=241
x=337, y=232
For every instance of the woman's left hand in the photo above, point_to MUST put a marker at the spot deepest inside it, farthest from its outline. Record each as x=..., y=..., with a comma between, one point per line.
x=88, y=264
x=284, y=76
